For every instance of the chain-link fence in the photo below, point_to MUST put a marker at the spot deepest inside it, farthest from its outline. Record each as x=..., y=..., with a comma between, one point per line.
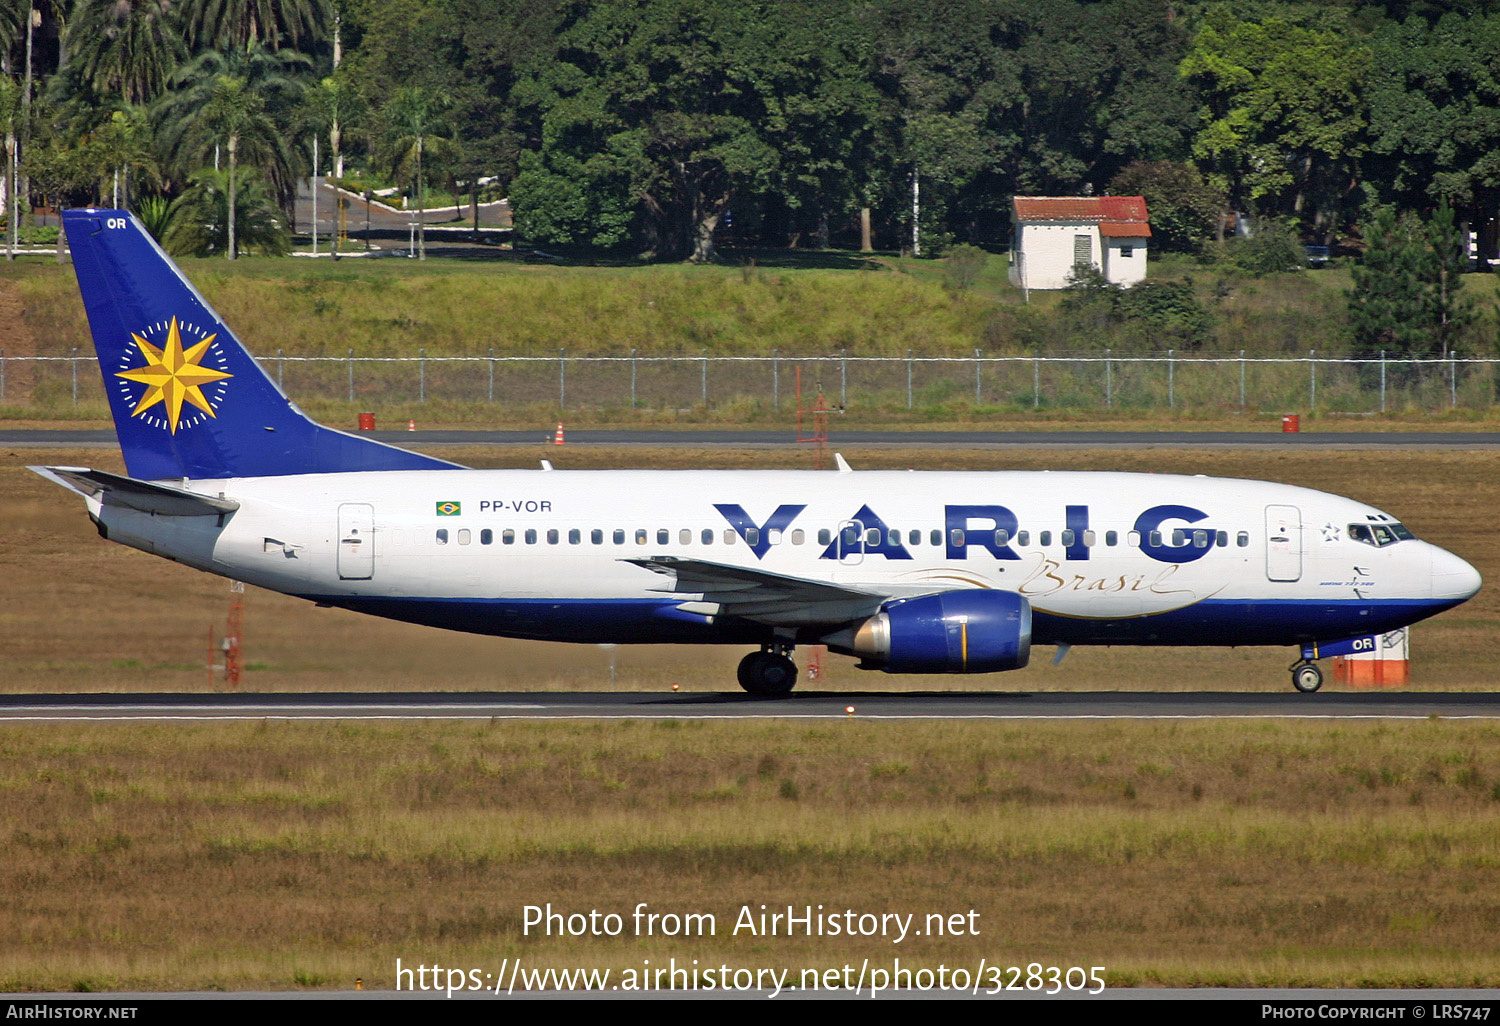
x=1097, y=381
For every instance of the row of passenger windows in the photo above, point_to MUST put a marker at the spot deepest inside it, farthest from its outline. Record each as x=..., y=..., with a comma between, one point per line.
x=852, y=539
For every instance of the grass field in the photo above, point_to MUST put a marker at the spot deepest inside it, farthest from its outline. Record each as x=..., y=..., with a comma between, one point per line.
x=290, y=856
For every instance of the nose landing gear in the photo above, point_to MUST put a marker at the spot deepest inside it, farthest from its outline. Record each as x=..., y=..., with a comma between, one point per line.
x=768, y=672
x=1306, y=677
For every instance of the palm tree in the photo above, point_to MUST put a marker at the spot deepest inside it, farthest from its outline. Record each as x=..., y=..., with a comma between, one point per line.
x=125, y=48
x=414, y=123
x=276, y=80
x=10, y=118
x=224, y=24
x=207, y=219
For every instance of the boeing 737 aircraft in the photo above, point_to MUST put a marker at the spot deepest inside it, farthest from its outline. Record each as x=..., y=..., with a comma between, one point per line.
x=912, y=572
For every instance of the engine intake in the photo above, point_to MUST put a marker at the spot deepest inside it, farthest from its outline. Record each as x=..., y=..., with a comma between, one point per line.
x=966, y=631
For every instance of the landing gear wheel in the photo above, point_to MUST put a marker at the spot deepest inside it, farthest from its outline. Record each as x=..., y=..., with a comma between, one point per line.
x=767, y=673
x=1306, y=677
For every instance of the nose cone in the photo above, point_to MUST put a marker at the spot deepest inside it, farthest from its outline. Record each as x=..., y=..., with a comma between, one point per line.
x=1453, y=579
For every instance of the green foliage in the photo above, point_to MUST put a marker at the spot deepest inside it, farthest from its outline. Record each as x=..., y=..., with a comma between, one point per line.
x=1155, y=313
x=965, y=263
x=199, y=218
x=1406, y=300
x=1273, y=248
x=1183, y=208
x=1282, y=116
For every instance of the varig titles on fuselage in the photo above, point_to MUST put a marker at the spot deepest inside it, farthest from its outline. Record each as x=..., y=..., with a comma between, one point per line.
x=992, y=528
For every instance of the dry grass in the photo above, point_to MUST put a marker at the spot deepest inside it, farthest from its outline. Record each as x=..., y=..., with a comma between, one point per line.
x=109, y=618
x=285, y=855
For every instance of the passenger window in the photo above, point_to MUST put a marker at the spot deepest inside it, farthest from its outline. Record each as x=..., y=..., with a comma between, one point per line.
x=1200, y=539
x=956, y=538
x=663, y=536
x=773, y=536
x=1111, y=538
x=1045, y=538
x=914, y=537
x=851, y=537
x=752, y=536
x=799, y=536
x=596, y=536
x=1242, y=539
x=1090, y=539
x=442, y=536
x=552, y=537
x=619, y=537
x=872, y=536
x=640, y=536
x=936, y=537
x=1023, y=538
x=1068, y=538
x=575, y=536
x=684, y=537
x=708, y=536
x=1156, y=539
x=1002, y=537
x=530, y=536
x=486, y=537
x=1179, y=536
x=508, y=537
x=464, y=536
x=1133, y=539
x=825, y=537
x=729, y=536
x=1222, y=539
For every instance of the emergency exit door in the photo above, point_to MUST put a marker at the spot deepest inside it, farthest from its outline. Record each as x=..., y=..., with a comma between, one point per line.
x=1283, y=543
x=356, y=558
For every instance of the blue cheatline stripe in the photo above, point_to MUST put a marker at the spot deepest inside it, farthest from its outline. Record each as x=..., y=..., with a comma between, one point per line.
x=1215, y=622
x=226, y=418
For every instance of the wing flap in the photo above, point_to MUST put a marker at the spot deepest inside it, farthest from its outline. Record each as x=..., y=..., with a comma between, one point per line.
x=760, y=595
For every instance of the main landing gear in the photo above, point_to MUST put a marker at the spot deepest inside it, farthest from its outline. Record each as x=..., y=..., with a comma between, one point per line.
x=769, y=671
x=1306, y=677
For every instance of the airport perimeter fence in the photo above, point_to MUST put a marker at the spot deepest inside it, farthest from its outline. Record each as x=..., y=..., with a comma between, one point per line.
x=1095, y=381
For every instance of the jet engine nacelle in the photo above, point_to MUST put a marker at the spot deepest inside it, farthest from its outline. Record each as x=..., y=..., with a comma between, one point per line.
x=969, y=631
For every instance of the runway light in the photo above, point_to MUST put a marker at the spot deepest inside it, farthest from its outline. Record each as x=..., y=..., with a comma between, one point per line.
x=675, y=686
x=849, y=709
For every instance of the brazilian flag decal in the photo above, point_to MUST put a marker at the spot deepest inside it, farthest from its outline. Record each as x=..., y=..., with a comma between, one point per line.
x=449, y=509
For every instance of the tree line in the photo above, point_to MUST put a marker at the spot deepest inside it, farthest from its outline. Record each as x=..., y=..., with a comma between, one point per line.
x=661, y=126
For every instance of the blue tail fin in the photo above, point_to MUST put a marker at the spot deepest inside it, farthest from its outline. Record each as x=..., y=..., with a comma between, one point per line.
x=187, y=399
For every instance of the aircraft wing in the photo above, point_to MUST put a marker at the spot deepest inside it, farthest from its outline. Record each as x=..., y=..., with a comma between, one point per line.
x=778, y=599
x=145, y=496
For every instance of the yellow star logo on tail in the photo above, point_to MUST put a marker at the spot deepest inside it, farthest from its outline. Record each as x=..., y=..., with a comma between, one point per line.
x=172, y=375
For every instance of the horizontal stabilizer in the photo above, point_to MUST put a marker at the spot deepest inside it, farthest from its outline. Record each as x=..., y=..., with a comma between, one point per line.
x=128, y=493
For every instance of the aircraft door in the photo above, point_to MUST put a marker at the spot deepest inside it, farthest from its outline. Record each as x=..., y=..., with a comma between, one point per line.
x=356, y=558
x=1283, y=543
x=851, y=542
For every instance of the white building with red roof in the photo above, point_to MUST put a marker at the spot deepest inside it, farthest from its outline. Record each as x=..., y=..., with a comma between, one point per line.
x=1053, y=233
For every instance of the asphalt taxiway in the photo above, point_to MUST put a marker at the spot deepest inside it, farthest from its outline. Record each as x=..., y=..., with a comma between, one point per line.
x=936, y=705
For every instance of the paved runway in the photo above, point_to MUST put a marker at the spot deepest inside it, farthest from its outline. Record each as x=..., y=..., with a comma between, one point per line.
x=937, y=705
x=927, y=439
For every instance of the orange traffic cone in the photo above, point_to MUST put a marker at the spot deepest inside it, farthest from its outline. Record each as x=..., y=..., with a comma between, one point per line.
x=411, y=425
x=557, y=439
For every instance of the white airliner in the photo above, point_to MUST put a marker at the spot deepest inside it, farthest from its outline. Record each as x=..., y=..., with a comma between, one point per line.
x=913, y=572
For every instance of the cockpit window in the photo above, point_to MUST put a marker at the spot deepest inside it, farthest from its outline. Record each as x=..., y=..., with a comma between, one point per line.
x=1379, y=535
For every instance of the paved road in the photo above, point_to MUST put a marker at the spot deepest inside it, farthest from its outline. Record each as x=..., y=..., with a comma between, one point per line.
x=923, y=439
x=937, y=705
